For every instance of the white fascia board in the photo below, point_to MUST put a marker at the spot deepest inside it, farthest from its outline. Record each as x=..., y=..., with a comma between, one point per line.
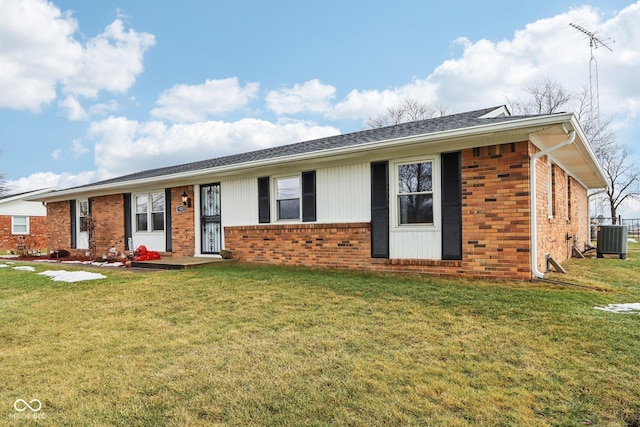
x=527, y=124
x=28, y=196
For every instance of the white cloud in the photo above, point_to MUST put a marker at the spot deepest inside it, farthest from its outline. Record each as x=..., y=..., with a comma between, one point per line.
x=56, y=154
x=39, y=53
x=78, y=149
x=311, y=96
x=125, y=146
x=72, y=108
x=111, y=61
x=41, y=180
x=370, y=103
x=74, y=111
x=491, y=72
x=193, y=103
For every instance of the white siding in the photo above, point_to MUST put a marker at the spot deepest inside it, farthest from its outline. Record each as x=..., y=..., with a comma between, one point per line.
x=23, y=208
x=343, y=193
x=415, y=244
x=239, y=201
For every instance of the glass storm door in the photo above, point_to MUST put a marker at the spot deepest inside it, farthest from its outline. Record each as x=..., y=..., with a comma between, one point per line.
x=210, y=218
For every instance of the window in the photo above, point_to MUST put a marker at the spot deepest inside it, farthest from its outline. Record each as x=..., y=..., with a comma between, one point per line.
x=83, y=214
x=288, y=198
x=149, y=212
x=415, y=193
x=20, y=225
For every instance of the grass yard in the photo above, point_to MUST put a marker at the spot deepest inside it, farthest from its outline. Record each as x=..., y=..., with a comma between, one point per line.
x=241, y=345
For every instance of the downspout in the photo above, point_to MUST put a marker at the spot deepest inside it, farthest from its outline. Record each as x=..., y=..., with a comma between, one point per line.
x=534, y=202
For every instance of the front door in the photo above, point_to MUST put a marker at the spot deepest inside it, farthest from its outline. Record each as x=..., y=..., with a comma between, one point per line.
x=210, y=218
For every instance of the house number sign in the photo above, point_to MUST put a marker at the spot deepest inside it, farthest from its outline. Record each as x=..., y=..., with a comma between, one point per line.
x=181, y=209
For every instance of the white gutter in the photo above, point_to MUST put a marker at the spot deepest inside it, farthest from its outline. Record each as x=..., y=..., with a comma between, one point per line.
x=534, y=203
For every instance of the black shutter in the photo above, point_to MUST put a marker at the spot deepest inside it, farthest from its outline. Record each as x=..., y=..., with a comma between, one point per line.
x=309, y=196
x=72, y=214
x=451, y=206
x=380, y=210
x=264, y=215
x=167, y=218
x=128, y=229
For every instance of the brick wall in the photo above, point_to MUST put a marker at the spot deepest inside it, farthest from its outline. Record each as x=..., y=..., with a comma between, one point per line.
x=59, y=226
x=495, y=211
x=182, y=224
x=35, y=240
x=344, y=246
x=566, y=217
x=107, y=214
x=496, y=232
x=495, y=237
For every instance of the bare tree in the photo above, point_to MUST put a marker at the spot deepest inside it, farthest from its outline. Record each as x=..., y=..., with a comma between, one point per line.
x=543, y=97
x=408, y=110
x=624, y=176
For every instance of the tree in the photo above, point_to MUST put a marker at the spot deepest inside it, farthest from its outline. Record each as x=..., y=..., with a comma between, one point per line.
x=408, y=110
x=544, y=97
x=624, y=176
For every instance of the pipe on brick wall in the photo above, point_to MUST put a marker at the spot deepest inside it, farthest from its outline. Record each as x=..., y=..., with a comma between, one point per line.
x=534, y=202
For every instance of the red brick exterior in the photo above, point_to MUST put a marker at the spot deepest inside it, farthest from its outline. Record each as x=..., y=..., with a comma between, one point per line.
x=496, y=230
x=34, y=241
x=182, y=224
x=496, y=235
x=567, y=220
x=495, y=210
x=108, y=217
x=59, y=226
x=345, y=245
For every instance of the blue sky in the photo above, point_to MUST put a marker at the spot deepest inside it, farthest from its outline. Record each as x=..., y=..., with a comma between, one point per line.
x=91, y=90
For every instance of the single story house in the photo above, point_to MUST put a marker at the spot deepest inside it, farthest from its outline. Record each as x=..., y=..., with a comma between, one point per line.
x=479, y=194
x=23, y=223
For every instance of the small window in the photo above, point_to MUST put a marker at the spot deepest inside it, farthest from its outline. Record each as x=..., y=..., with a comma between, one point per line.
x=288, y=198
x=149, y=212
x=20, y=225
x=157, y=211
x=141, y=213
x=415, y=193
x=83, y=214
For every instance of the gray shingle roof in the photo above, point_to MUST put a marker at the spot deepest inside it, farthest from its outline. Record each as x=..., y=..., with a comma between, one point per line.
x=422, y=127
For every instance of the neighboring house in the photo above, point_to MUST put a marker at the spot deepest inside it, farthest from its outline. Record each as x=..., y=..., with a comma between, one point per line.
x=452, y=195
x=23, y=224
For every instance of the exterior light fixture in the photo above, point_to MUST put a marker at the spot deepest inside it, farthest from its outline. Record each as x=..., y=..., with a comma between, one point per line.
x=186, y=200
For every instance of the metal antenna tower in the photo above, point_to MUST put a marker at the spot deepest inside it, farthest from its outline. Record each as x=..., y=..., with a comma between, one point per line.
x=594, y=93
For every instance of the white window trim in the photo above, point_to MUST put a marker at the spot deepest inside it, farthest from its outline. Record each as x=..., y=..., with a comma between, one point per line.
x=134, y=219
x=13, y=229
x=274, y=201
x=394, y=208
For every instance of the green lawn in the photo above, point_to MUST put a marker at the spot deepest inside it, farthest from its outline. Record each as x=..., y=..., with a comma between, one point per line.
x=241, y=345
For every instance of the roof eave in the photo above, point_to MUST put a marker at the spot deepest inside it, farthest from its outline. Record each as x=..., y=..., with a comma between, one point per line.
x=525, y=125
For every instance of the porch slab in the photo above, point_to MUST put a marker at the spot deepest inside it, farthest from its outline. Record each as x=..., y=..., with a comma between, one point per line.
x=179, y=263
